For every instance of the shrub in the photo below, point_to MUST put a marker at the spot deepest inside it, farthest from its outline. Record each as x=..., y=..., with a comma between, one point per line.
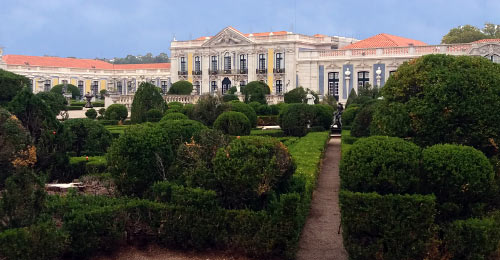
x=296, y=95
x=108, y=122
x=116, y=112
x=390, y=119
x=362, y=121
x=101, y=111
x=180, y=131
x=351, y=98
x=256, y=91
x=175, y=104
x=147, y=97
x=79, y=166
x=456, y=174
x=154, y=115
x=349, y=114
x=275, y=109
x=323, y=117
x=188, y=110
x=267, y=120
x=263, y=110
x=295, y=118
x=174, y=116
x=249, y=169
x=58, y=89
x=88, y=136
x=233, y=123
x=181, y=87
x=386, y=227
x=11, y=84
x=245, y=109
x=74, y=108
x=55, y=102
x=230, y=97
x=91, y=114
x=381, y=164
x=140, y=157
x=450, y=99
x=207, y=109
x=168, y=192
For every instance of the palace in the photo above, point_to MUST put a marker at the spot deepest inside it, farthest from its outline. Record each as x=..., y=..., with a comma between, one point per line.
x=328, y=65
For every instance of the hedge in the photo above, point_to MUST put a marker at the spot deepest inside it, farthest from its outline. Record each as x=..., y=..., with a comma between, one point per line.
x=174, y=116
x=386, y=227
x=267, y=120
x=233, y=123
x=79, y=166
x=272, y=133
x=74, y=108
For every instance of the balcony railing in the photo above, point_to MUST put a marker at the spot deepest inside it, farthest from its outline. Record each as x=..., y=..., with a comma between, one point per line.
x=196, y=72
x=227, y=72
x=261, y=71
x=243, y=71
x=279, y=70
x=213, y=72
x=180, y=72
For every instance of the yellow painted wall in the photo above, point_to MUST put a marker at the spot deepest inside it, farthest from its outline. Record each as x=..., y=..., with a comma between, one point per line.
x=36, y=83
x=190, y=67
x=55, y=82
x=270, y=66
x=87, y=86
x=73, y=82
x=103, y=84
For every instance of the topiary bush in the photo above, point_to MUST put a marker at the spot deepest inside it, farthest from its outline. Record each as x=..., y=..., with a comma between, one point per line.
x=249, y=169
x=181, y=87
x=456, y=174
x=58, y=89
x=154, y=115
x=296, y=95
x=245, y=109
x=230, y=97
x=208, y=108
x=256, y=91
x=147, y=97
x=363, y=120
x=323, y=116
x=295, y=118
x=91, y=113
x=349, y=114
x=381, y=164
x=116, y=112
x=180, y=131
x=391, y=119
x=88, y=137
x=174, y=116
x=233, y=123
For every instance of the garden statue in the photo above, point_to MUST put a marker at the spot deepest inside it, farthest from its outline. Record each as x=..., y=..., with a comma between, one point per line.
x=336, y=127
x=89, y=97
x=310, y=98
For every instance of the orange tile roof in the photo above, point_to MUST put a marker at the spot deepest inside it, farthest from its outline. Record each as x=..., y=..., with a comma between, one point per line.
x=487, y=40
x=267, y=33
x=75, y=63
x=319, y=35
x=384, y=40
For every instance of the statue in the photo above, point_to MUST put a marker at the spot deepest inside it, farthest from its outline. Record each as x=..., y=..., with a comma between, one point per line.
x=310, y=98
x=89, y=97
x=336, y=127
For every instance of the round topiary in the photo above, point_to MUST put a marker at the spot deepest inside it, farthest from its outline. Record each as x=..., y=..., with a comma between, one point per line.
x=381, y=164
x=174, y=116
x=363, y=120
x=349, y=114
x=58, y=89
x=179, y=131
x=256, y=91
x=233, y=123
x=230, y=97
x=295, y=118
x=263, y=110
x=456, y=174
x=323, y=116
x=245, y=109
x=88, y=137
x=116, y=112
x=181, y=87
x=91, y=113
x=154, y=115
x=249, y=169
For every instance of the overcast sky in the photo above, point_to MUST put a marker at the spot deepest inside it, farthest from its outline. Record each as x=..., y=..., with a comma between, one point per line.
x=115, y=28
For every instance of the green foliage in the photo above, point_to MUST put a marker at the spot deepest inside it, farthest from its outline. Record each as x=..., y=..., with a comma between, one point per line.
x=171, y=193
x=363, y=120
x=329, y=100
x=140, y=157
x=256, y=91
x=349, y=115
x=389, y=227
x=245, y=109
x=74, y=108
x=295, y=118
x=390, y=119
x=255, y=105
x=87, y=137
x=323, y=117
x=351, y=98
x=91, y=114
x=11, y=84
x=79, y=166
x=230, y=97
x=249, y=169
x=58, y=89
x=267, y=120
x=468, y=33
x=297, y=95
x=147, y=97
x=116, y=112
x=101, y=111
x=141, y=59
x=180, y=131
x=450, y=99
x=188, y=110
x=207, y=109
x=381, y=164
x=181, y=87
x=175, y=104
x=154, y=115
x=103, y=92
x=456, y=174
x=174, y=116
x=55, y=102
x=233, y=123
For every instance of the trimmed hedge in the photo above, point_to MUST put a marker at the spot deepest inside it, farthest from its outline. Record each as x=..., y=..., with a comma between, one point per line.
x=154, y=115
x=381, y=164
x=295, y=118
x=387, y=227
x=363, y=120
x=348, y=115
x=116, y=112
x=174, y=116
x=233, y=123
x=79, y=166
x=246, y=109
x=181, y=87
x=171, y=193
x=74, y=108
x=267, y=120
x=91, y=113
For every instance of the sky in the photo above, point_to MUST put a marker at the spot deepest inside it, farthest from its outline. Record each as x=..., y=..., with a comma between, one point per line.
x=115, y=28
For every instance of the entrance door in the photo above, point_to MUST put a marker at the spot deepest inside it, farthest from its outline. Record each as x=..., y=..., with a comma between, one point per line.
x=226, y=85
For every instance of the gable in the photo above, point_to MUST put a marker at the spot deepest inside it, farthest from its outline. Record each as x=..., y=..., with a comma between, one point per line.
x=228, y=36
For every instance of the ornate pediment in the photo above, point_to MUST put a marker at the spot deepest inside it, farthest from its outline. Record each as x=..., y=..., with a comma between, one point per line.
x=227, y=37
x=487, y=49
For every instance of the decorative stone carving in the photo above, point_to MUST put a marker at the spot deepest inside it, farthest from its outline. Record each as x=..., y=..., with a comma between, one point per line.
x=227, y=37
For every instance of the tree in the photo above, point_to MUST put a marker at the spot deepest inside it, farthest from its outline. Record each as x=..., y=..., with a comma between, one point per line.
x=91, y=113
x=233, y=123
x=245, y=109
x=468, y=33
x=256, y=91
x=116, y=112
x=88, y=137
x=75, y=92
x=208, y=108
x=10, y=85
x=295, y=118
x=351, y=98
x=103, y=93
x=181, y=87
x=55, y=101
x=147, y=97
x=297, y=95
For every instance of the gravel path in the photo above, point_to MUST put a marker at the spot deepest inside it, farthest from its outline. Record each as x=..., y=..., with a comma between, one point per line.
x=320, y=238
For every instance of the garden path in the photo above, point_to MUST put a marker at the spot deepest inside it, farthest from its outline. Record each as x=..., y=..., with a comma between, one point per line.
x=320, y=237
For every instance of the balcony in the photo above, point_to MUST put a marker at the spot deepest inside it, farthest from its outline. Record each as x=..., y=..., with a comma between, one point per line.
x=180, y=72
x=261, y=71
x=227, y=72
x=196, y=72
x=212, y=72
x=243, y=71
x=279, y=71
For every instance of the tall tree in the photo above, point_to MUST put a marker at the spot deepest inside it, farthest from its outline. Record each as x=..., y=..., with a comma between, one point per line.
x=148, y=97
x=468, y=33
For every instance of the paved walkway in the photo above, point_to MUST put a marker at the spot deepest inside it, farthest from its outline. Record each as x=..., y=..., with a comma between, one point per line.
x=320, y=239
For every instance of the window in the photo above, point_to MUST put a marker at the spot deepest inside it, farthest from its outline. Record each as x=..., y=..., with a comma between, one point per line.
x=164, y=86
x=227, y=61
x=333, y=84
x=197, y=87
x=363, y=78
x=183, y=64
x=129, y=86
x=391, y=72
x=279, y=87
x=243, y=83
x=214, y=86
x=197, y=64
x=64, y=81
x=80, y=87
x=262, y=61
x=214, y=63
x=119, y=87
x=46, y=86
x=279, y=60
x=95, y=88
x=243, y=62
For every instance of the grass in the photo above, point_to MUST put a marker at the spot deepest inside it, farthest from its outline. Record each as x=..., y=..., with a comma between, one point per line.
x=273, y=132
x=92, y=159
x=116, y=129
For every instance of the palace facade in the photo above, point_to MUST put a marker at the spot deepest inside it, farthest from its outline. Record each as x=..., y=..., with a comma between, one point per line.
x=328, y=65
